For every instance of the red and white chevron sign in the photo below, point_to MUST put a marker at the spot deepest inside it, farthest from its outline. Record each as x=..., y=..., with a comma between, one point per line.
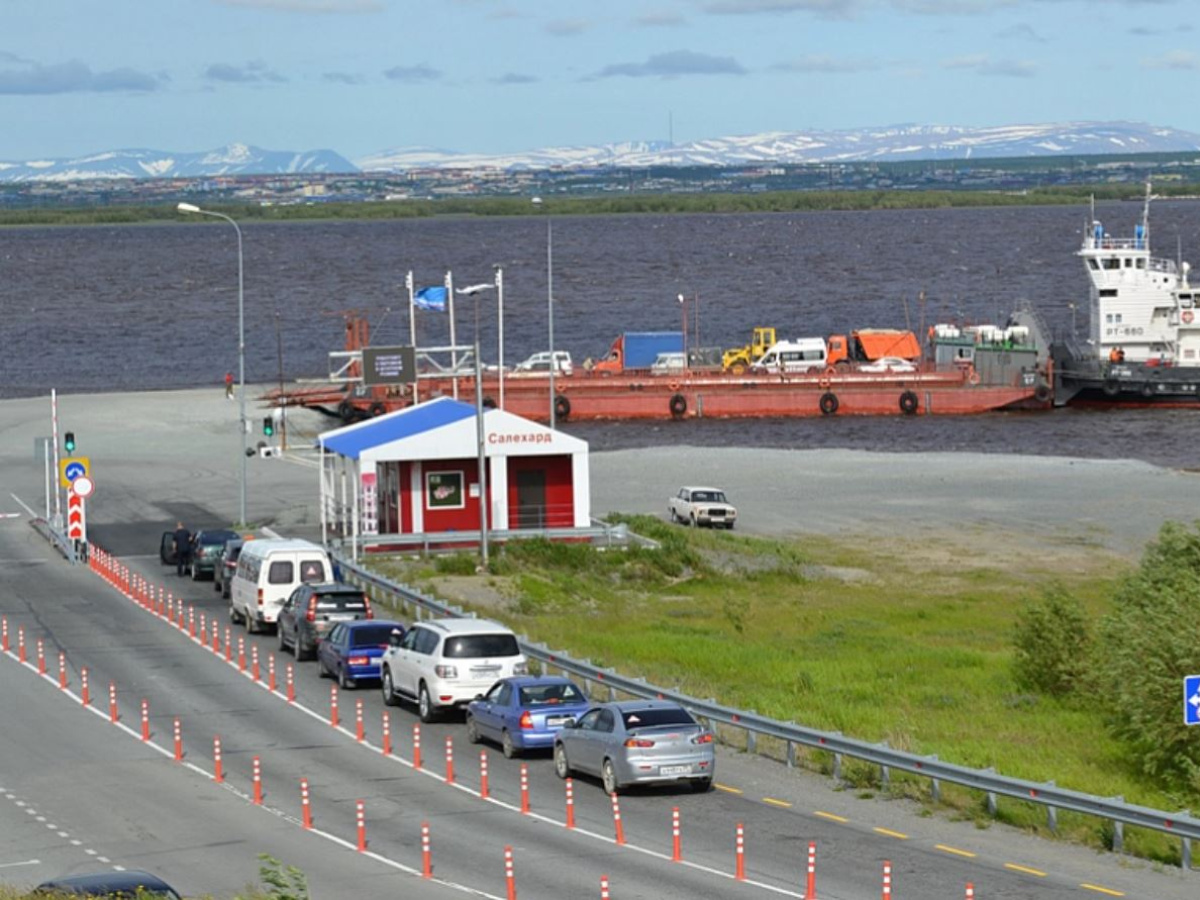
x=76, y=518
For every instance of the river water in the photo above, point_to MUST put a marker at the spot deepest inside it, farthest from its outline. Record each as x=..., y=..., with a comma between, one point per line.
x=125, y=308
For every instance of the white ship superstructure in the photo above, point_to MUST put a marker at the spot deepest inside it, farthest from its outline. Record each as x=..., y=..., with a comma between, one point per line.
x=1140, y=303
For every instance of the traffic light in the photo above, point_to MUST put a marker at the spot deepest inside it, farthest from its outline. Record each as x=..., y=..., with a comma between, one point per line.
x=69, y=442
x=268, y=426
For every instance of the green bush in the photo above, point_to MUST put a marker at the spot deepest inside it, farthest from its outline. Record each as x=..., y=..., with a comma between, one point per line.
x=1146, y=646
x=1052, y=643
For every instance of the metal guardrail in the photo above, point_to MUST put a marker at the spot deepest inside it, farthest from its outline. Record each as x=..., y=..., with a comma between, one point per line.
x=600, y=534
x=59, y=539
x=1182, y=825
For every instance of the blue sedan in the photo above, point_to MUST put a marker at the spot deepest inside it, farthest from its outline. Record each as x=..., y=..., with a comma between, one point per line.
x=352, y=650
x=525, y=712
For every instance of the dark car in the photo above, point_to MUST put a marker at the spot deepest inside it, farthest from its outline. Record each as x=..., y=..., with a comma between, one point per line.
x=311, y=612
x=525, y=712
x=351, y=651
x=226, y=564
x=121, y=885
x=206, y=547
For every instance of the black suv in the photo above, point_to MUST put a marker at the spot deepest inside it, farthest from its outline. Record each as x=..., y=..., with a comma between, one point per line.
x=311, y=612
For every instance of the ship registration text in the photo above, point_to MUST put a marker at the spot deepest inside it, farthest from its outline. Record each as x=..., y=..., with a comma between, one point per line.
x=1125, y=331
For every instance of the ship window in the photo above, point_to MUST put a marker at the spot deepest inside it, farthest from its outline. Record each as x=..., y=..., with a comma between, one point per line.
x=1093, y=264
x=1129, y=263
x=1108, y=292
x=1111, y=262
x=1141, y=264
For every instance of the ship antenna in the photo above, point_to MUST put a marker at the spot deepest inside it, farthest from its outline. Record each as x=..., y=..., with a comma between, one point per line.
x=1146, y=217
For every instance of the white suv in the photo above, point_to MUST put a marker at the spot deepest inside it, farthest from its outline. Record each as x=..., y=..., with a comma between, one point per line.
x=446, y=663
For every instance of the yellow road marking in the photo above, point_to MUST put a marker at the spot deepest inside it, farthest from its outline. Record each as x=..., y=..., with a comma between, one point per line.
x=825, y=815
x=956, y=851
x=775, y=802
x=727, y=789
x=889, y=833
x=1038, y=872
x=1102, y=890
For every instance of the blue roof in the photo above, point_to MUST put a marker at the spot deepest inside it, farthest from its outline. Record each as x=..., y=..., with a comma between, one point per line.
x=352, y=440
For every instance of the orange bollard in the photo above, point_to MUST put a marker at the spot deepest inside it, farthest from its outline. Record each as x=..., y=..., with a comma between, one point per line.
x=203, y=631
x=509, y=879
x=333, y=706
x=810, y=890
x=887, y=880
x=524, y=788
x=192, y=622
x=254, y=670
x=360, y=815
x=112, y=702
x=416, y=745
x=257, y=769
x=145, y=720
x=676, y=849
x=271, y=673
x=483, y=775
x=970, y=891
x=358, y=721
x=241, y=653
x=4, y=634
x=41, y=656
x=426, y=853
x=570, y=803
x=62, y=671
x=617, y=826
x=178, y=742
x=291, y=685
x=740, y=851
x=228, y=644
x=21, y=644
x=387, y=734
x=604, y=895
x=84, y=697
x=305, y=809
x=218, y=769
x=216, y=636
x=449, y=760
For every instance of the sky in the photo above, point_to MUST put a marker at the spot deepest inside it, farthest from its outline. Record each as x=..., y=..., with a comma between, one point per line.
x=501, y=76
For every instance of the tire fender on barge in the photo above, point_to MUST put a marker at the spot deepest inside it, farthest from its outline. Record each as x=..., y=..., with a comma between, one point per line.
x=909, y=403
x=829, y=403
x=678, y=406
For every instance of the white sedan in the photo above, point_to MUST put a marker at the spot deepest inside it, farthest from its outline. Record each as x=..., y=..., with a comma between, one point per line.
x=889, y=364
x=702, y=506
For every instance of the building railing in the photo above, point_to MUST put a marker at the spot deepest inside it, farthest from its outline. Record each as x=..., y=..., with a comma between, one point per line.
x=1114, y=809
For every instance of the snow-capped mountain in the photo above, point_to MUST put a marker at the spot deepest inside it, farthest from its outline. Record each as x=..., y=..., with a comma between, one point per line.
x=236, y=159
x=891, y=144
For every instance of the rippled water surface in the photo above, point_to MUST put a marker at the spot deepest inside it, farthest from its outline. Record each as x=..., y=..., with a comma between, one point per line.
x=153, y=307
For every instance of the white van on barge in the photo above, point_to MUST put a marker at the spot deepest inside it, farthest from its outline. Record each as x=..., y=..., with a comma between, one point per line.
x=267, y=573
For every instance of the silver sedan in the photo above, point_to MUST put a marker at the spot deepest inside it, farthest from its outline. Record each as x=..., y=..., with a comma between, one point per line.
x=637, y=742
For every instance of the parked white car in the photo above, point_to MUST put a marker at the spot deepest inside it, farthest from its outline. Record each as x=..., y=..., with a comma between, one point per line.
x=669, y=364
x=539, y=364
x=446, y=663
x=888, y=364
x=702, y=506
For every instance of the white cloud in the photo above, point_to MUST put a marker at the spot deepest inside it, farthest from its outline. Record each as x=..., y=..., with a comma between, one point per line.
x=321, y=7
x=673, y=64
x=985, y=65
x=413, y=74
x=1177, y=60
x=73, y=77
x=819, y=63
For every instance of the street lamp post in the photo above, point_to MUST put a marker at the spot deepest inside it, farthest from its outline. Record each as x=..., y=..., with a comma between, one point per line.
x=195, y=210
x=550, y=303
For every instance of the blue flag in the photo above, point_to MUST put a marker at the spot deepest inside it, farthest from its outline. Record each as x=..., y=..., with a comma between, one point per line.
x=433, y=298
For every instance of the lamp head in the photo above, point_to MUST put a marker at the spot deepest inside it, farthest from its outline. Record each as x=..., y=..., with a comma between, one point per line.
x=187, y=208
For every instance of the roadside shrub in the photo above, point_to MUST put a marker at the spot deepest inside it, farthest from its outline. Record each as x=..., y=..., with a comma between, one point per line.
x=1052, y=642
x=1146, y=645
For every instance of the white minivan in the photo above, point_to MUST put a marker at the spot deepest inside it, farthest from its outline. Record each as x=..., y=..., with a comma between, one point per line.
x=267, y=573
x=802, y=355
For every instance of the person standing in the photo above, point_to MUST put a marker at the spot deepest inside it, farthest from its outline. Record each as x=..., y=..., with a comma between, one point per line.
x=228, y=385
x=183, y=548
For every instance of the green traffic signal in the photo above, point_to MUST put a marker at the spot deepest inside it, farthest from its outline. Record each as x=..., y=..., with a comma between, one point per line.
x=69, y=442
x=268, y=426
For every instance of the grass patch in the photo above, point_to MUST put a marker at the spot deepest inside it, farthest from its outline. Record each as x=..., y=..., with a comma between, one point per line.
x=918, y=653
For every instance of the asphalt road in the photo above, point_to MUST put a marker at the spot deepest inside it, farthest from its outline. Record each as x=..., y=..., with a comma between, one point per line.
x=152, y=467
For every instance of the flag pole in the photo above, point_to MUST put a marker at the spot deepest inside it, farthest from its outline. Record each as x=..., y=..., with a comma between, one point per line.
x=453, y=341
x=500, y=340
x=412, y=327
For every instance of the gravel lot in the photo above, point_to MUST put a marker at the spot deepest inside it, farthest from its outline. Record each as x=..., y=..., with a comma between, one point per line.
x=161, y=455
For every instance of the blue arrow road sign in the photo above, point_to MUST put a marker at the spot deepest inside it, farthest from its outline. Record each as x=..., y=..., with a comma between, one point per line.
x=1191, y=700
x=74, y=470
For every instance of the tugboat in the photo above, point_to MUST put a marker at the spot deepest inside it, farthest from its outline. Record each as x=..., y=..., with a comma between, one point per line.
x=1143, y=344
